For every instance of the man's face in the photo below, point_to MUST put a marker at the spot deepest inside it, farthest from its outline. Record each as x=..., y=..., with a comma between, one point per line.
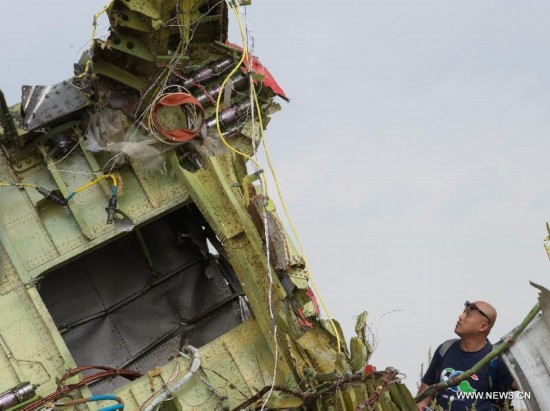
x=471, y=322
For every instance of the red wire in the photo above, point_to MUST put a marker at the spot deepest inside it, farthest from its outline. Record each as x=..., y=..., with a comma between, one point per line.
x=64, y=389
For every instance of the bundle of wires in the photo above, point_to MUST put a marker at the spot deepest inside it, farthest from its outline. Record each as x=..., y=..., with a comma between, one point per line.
x=192, y=107
x=63, y=390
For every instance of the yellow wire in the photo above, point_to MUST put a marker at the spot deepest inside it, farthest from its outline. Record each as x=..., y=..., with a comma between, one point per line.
x=243, y=38
x=218, y=125
x=96, y=16
x=294, y=231
x=78, y=190
x=91, y=183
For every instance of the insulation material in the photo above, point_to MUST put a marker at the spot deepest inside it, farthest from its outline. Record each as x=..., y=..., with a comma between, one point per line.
x=105, y=128
x=210, y=146
x=108, y=131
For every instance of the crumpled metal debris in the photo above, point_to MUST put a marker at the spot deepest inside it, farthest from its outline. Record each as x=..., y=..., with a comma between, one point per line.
x=43, y=105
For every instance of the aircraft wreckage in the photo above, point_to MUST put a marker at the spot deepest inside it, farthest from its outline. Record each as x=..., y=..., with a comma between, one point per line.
x=143, y=265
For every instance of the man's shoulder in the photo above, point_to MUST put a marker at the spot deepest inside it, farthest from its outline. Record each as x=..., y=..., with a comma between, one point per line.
x=445, y=346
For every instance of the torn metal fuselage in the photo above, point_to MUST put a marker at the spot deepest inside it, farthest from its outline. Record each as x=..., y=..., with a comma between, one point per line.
x=153, y=134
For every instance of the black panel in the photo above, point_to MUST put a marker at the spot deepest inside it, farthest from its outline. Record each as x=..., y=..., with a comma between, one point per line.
x=114, y=309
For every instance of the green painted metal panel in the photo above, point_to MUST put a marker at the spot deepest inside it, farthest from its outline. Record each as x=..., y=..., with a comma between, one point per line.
x=38, y=236
x=116, y=73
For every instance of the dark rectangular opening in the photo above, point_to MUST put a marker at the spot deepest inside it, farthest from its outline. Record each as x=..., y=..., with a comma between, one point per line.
x=132, y=303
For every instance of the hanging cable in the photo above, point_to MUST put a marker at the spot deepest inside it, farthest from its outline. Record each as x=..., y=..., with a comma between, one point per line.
x=224, y=83
x=254, y=96
x=270, y=297
x=265, y=221
x=244, y=57
x=287, y=214
x=94, y=24
x=279, y=192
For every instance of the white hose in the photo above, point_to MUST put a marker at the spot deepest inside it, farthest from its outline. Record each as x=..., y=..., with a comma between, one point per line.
x=169, y=391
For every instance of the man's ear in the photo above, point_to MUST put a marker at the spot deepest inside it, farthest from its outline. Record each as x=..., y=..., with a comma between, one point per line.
x=485, y=327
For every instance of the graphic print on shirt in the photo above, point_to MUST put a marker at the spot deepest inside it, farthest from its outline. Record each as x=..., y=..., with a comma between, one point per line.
x=464, y=386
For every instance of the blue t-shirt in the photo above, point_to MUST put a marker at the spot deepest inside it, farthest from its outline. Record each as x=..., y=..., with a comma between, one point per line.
x=461, y=397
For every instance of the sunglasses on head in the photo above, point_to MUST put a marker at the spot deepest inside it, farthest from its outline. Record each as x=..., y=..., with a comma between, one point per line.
x=472, y=307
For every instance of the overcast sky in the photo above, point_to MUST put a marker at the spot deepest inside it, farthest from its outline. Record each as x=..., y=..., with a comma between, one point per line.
x=414, y=154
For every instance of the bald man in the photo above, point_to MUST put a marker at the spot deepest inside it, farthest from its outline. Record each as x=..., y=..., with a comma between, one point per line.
x=455, y=356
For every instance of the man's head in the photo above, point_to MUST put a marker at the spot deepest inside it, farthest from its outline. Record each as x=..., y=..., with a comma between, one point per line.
x=477, y=319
